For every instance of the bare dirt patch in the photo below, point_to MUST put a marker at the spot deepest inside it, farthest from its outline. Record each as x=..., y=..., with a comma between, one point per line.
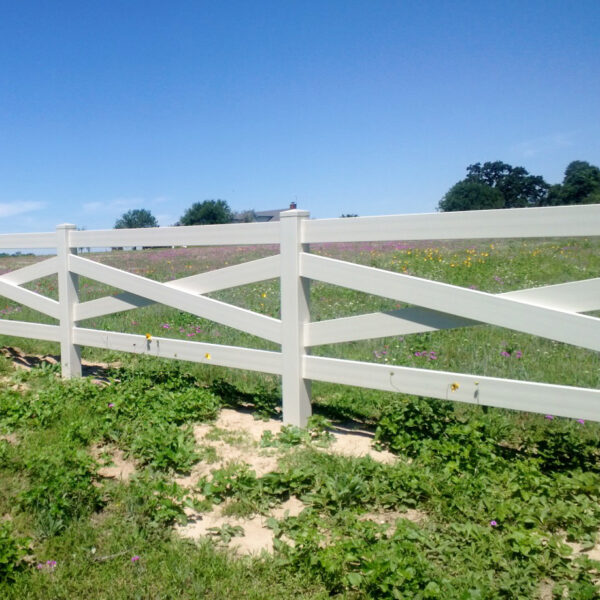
x=235, y=437
x=235, y=420
x=256, y=536
x=10, y=384
x=545, y=590
x=113, y=463
x=290, y=508
x=390, y=517
x=11, y=438
x=357, y=443
x=591, y=553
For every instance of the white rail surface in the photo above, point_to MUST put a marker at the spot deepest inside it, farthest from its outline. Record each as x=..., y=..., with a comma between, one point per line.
x=551, y=311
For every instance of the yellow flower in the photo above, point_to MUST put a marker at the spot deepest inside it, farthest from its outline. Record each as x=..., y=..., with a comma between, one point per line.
x=148, y=336
x=207, y=356
x=264, y=295
x=454, y=386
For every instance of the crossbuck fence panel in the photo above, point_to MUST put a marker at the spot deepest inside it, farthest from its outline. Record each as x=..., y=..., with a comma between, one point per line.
x=552, y=311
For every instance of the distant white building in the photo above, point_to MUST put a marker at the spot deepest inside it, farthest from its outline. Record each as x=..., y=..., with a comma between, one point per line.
x=261, y=216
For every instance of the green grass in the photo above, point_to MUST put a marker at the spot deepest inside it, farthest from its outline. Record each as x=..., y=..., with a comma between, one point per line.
x=499, y=492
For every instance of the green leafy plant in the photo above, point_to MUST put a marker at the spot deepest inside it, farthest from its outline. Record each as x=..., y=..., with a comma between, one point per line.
x=154, y=503
x=226, y=532
x=61, y=487
x=164, y=446
x=405, y=422
x=563, y=444
x=12, y=552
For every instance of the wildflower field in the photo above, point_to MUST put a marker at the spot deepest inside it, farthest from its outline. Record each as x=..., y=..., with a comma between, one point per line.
x=472, y=504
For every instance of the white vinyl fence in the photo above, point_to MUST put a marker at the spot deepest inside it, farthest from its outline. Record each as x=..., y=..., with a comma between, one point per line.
x=551, y=311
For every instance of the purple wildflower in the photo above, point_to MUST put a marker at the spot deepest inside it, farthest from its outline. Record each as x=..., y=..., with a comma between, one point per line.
x=504, y=353
x=111, y=405
x=135, y=558
x=493, y=523
x=581, y=421
x=550, y=417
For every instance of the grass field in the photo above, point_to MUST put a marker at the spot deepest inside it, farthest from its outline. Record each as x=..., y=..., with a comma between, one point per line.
x=509, y=503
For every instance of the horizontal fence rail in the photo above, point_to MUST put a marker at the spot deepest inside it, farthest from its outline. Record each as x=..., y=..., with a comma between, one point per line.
x=240, y=234
x=556, y=221
x=552, y=311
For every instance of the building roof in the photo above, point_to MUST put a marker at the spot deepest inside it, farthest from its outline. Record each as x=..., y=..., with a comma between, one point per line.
x=269, y=215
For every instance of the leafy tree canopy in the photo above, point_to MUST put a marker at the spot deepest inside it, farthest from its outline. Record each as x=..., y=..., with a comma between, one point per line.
x=469, y=195
x=581, y=185
x=513, y=187
x=517, y=186
x=209, y=212
x=136, y=218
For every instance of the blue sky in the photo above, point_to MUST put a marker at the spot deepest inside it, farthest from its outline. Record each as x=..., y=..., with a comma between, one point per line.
x=368, y=107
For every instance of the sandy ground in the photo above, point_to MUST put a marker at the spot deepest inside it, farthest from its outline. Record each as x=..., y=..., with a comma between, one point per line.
x=238, y=437
x=113, y=464
x=592, y=553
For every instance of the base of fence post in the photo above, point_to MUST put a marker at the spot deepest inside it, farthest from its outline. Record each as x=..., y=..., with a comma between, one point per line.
x=295, y=312
x=68, y=296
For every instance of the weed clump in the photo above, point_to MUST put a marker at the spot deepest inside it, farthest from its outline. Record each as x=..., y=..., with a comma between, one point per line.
x=12, y=553
x=61, y=487
x=406, y=422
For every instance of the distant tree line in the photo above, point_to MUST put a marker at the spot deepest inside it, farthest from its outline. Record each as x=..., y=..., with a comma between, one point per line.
x=500, y=185
x=488, y=185
x=208, y=212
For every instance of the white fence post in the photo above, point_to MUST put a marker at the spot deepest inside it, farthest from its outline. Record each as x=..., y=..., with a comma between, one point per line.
x=295, y=312
x=68, y=296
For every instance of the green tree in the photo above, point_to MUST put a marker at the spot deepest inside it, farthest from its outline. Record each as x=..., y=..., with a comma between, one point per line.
x=518, y=188
x=581, y=185
x=135, y=219
x=209, y=212
x=468, y=195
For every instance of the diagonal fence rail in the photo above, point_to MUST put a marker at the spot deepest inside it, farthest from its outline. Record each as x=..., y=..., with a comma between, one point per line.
x=552, y=311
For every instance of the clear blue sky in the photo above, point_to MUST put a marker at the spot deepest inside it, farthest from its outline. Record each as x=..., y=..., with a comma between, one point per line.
x=368, y=107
